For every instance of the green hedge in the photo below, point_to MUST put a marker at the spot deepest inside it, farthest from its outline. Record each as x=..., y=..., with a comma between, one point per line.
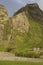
x=28, y=54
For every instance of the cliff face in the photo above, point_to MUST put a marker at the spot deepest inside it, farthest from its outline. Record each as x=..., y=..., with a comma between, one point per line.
x=3, y=21
x=20, y=22
x=24, y=30
x=20, y=19
x=35, y=12
x=28, y=20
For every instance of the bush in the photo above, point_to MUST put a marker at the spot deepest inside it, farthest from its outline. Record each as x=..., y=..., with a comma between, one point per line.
x=19, y=54
x=28, y=54
x=8, y=49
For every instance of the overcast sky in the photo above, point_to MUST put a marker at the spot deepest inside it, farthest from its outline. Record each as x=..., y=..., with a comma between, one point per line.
x=13, y=5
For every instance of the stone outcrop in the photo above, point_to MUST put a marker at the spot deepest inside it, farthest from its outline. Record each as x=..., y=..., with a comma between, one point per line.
x=20, y=22
x=3, y=21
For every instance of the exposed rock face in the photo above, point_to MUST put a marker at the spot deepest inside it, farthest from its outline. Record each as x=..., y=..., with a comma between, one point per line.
x=20, y=22
x=3, y=21
x=20, y=19
x=35, y=12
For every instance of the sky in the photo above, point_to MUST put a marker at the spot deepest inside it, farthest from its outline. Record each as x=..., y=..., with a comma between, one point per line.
x=13, y=5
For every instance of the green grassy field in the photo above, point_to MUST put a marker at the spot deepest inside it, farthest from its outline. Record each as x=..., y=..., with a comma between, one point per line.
x=19, y=63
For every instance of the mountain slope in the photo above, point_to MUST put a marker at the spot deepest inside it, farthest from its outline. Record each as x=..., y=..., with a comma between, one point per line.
x=34, y=36
x=24, y=30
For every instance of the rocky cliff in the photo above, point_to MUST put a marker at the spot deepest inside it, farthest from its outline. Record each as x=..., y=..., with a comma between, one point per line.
x=34, y=11
x=24, y=29
x=20, y=22
x=4, y=19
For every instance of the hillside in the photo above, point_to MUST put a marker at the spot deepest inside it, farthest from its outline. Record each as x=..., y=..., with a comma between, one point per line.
x=34, y=36
x=24, y=30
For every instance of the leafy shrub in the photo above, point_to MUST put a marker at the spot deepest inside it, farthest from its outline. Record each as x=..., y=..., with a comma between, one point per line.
x=30, y=54
x=8, y=49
